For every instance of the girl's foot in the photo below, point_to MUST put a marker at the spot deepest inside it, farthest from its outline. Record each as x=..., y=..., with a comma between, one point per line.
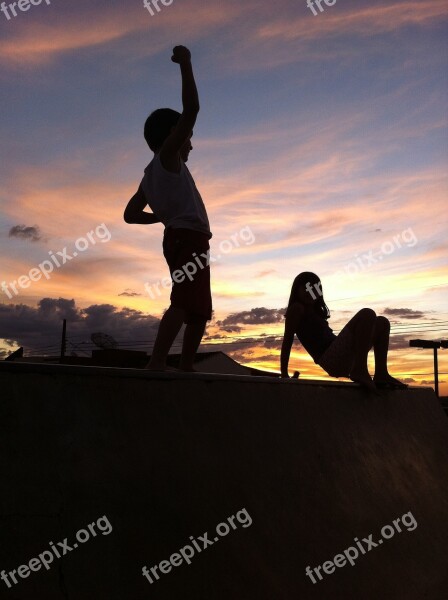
x=387, y=381
x=363, y=378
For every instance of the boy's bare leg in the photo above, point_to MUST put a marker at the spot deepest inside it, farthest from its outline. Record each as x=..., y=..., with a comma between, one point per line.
x=381, y=348
x=169, y=327
x=363, y=326
x=192, y=338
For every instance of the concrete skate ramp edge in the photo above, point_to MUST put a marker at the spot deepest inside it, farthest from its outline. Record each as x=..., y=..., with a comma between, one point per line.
x=303, y=468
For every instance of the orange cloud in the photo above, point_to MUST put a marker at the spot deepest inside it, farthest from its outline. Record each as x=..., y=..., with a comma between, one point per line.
x=67, y=31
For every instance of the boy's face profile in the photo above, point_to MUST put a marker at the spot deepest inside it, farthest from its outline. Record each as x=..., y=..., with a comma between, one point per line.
x=186, y=149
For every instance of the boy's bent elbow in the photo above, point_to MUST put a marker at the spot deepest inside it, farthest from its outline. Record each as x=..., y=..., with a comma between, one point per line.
x=127, y=218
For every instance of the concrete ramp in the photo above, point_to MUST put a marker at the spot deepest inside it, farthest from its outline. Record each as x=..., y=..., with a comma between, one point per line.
x=224, y=487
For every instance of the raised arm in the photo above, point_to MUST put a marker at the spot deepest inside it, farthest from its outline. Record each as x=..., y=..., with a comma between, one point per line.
x=169, y=153
x=293, y=316
x=134, y=212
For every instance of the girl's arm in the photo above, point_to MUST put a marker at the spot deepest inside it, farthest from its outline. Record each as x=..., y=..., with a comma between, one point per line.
x=293, y=316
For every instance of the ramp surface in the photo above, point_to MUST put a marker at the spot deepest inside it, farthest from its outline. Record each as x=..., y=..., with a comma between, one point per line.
x=166, y=457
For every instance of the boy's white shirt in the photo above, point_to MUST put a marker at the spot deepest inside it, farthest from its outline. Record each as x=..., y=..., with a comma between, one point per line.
x=174, y=197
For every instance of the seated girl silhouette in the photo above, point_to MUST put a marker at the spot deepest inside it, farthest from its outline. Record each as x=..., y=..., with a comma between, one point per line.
x=344, y=355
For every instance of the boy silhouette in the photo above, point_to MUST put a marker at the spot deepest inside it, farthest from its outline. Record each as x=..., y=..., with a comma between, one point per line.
x=169, y=190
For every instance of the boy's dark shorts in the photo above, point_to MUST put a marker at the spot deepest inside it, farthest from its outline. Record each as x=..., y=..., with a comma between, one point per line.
x=182, y=249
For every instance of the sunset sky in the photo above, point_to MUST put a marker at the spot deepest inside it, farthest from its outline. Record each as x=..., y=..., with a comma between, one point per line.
x=321, y=145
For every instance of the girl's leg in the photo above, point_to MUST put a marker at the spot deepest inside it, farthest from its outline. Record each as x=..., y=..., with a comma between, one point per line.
x=362, y=327
x=381, y=348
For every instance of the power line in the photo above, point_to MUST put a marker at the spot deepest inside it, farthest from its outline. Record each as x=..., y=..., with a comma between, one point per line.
x=254, y=340
x=425, y=287
x=397, y=328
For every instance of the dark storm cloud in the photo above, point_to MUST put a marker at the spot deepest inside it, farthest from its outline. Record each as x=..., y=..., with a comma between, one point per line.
x=41, y=326
x=129, y=293
x=404, y=313
x=232, y=329
x=399, y=341
x=255, y=316
x=23, y=232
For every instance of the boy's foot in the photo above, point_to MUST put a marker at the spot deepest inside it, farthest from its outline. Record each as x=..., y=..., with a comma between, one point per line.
x=161, y=368
x=155, y=367
x=387, y=381
x=188, y=370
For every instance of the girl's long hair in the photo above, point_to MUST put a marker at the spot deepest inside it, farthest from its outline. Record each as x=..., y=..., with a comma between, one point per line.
x=300, y=281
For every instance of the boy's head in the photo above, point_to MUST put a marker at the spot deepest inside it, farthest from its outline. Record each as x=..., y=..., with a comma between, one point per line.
x=158, y=126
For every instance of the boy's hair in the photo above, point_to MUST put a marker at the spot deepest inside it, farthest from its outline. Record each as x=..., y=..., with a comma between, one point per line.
x=319, y=303
x=158, y=126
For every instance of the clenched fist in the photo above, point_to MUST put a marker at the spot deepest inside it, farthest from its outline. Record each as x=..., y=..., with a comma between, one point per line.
x=181, y=55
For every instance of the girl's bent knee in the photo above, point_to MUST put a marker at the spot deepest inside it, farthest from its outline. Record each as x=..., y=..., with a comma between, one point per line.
x=383, y=322
x=367, y=313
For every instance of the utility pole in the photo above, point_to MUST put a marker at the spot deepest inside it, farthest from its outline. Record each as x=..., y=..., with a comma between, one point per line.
x=436, y=372
x=435, y=346
x=64, y=329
